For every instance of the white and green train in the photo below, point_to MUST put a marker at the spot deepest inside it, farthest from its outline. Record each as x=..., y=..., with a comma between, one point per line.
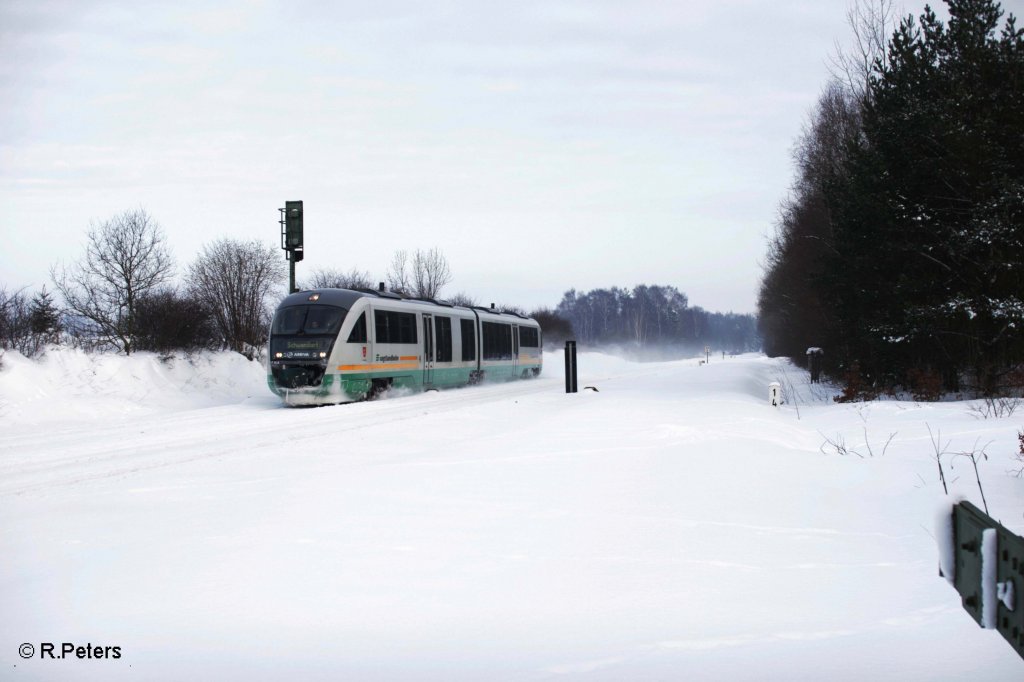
x=339, y=345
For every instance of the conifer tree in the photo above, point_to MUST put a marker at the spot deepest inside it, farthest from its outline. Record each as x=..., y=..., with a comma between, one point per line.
x=927, y=272
x=44, y=316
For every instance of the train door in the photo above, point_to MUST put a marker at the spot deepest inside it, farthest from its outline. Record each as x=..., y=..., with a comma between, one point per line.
x=515, y=350
x=428, y=350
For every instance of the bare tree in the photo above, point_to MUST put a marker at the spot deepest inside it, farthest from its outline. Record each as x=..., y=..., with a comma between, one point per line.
x=462, y=298
x=871, y=23
x=430, y=272
x=15, y=321
x=234, y=279
x=398, y=273
x=423, y=277
x=125, y=258
x=170, y=320
x=511, y=308
x=336, y=279
x=557, y=329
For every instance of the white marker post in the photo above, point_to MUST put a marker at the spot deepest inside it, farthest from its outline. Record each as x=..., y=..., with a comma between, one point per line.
x=774, y=394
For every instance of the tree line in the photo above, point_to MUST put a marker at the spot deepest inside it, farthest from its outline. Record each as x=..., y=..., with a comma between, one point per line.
x=121, y=294
x=901, y=248
x=654, y=317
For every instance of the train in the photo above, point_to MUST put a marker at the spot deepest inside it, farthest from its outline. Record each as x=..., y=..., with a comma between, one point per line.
x=330, y=346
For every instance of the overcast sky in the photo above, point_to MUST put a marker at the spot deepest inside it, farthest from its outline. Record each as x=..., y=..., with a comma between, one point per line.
x=540, y=145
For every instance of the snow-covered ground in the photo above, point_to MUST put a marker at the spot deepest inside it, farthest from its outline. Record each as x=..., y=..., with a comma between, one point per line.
x=670, y=526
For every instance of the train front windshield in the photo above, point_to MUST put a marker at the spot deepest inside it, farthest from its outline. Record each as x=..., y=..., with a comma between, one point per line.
x=308, y=320
x=301, y=339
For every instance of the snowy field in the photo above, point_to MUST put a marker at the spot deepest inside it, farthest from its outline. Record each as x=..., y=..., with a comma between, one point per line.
x=671, y=526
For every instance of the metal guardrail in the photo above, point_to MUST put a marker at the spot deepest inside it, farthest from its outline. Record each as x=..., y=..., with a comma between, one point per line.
x=988, y=572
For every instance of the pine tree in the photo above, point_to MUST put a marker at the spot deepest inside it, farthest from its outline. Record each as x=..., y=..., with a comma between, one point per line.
x=927, y=272
x=44, y=316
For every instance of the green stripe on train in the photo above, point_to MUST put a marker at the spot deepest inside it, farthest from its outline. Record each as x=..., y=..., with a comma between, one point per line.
x=356, y=386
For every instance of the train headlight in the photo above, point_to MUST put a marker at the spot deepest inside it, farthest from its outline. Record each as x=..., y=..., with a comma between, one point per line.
x=323, y=354
x=278, y=355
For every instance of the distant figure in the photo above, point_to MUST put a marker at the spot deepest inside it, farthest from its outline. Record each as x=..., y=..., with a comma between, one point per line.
x=814, y=363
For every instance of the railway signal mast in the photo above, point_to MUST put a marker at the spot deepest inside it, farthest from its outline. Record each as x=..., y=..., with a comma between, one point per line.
x=291, y=238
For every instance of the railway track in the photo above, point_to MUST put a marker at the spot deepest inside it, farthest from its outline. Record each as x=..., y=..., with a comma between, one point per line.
x=32, y=462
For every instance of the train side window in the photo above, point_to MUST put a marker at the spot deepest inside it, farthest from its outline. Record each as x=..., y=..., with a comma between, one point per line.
x=406, y=327
x=528, y=337
x=443, y=333
x=358, y=334
x=394, y=327
x=497, y=340
x=468, y=340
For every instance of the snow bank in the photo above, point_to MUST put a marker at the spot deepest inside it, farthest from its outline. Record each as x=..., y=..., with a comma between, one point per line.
x=71, y=385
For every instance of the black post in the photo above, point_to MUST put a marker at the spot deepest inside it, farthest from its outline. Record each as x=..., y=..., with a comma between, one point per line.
x=570, y=367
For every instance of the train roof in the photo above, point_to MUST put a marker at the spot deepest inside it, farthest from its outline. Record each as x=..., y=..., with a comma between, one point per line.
x=346, y=298
x=343, y=298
